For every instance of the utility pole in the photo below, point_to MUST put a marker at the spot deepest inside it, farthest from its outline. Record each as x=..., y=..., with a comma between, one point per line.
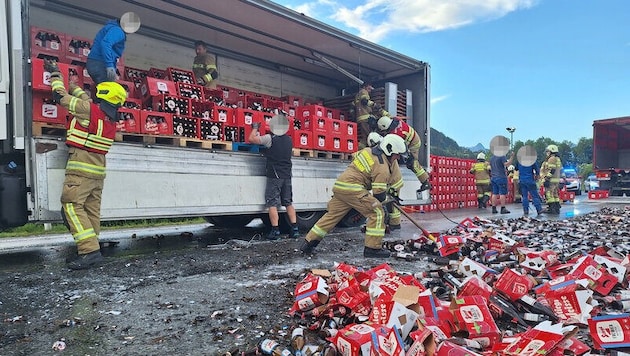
x=511, y=131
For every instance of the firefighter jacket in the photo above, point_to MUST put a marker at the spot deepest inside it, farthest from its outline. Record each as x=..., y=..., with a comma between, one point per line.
x=481, y=170
x=89, y=135
x=412, y=139
x=203, y=67
x=551, y=168
x=370, y=170
x=362, y=111
x=109, y=44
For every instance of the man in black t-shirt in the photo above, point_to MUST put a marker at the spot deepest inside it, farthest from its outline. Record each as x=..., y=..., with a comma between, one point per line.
x=278, y=191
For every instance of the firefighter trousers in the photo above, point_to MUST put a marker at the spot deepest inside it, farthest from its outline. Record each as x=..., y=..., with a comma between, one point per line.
x=363, y=129
x=551, y=193
x=417, y=168
x=483, y=190
x=339, y=206
x=81, y=210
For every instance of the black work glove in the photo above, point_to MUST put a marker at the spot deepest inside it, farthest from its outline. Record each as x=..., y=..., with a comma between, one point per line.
x=394, y=194
x=425, y=186
x=255, y=125
x=56, y=97
x=547, y=183
x=410, y=161
x=372, y=123
x=51, y=66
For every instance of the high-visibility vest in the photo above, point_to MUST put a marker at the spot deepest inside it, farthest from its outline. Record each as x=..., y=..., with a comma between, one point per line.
x=97, y=137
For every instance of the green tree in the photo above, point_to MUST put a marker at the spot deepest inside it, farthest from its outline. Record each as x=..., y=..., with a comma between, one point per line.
x=583, y=151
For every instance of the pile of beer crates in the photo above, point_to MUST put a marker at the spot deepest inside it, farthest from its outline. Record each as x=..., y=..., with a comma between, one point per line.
x=169, y=102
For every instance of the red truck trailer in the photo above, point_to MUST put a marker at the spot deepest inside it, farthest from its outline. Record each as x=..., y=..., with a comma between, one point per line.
x=611, y=154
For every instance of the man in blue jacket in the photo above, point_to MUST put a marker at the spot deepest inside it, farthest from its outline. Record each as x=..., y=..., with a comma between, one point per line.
x=108, y=46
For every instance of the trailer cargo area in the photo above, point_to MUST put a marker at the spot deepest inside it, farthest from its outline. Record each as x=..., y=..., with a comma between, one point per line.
x=611, y=154
x=260, y=46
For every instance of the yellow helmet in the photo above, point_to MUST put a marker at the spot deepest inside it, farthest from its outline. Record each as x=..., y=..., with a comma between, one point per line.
x=552, y=148
x=111, y=92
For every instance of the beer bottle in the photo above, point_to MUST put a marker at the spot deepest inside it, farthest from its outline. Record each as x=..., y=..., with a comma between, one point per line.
x=271, y=347
x=506, y=310
x=536, y=307
x=297, y=341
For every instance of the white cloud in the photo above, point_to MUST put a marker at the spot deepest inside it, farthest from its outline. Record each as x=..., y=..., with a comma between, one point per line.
x=377, y=19
x=435, y=100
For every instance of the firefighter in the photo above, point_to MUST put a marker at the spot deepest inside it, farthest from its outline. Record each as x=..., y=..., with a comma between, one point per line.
x=108, y=46
x=362, y=107
x=513, y=174
x=374, y=169
x=400, y=128
x=90, y=134
x=481, y=170
x=204, y=66
x=550, y=176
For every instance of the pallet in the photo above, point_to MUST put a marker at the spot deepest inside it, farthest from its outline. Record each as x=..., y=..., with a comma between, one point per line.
x=48, y=129
x=245, y=147
x=329, y=155
x=299, y=152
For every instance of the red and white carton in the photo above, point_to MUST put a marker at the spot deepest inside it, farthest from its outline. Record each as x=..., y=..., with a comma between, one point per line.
x=573, y=303
x=540, y=340
x=500, y=242
x=536, y=260
x=428, y=304
x=600, y=280
x=312, y=291
x=469, y=224
x=471, y=313
x=570, y=346
x=513, y=284
x=394, y=312
x=369, y=339
x=449, y=244
x=559, y=270
x=387, y=284
x=447, y=348
x=610, y=331
x=612, y=266
x=470, y=267
x=354, y=298
x=474, y=285
x=422, y=342
x=442, y=325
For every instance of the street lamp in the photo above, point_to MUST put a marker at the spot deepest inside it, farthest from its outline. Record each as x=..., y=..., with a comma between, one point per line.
x=511, y=131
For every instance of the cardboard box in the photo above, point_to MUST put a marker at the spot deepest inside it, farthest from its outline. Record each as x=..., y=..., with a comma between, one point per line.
x=450, y=349
x=572, y=303
x=513, y=284
x=449, y=244
x=393, y=313
x=469, y=268
x=156, y=123
x=310, y=292
x=471, y=313
x=474, y=285
x=570, y=346
x=369, y=339
x=610, y=331
x=536, y=261
x=540, y=340
x=422, y=342
x=600, y=280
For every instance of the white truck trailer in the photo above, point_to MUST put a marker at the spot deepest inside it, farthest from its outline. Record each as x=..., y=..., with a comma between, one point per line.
x=260, y=46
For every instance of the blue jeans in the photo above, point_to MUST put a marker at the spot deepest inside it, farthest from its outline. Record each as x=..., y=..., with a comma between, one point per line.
x=530, y=188
x=97, y=70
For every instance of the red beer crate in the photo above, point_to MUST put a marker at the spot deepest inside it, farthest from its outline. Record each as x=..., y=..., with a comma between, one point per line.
x=349, y=129
x=245, y=117
x=185, y=126
x=153, y=86
x=47, y=44
x=130, y=87
x=350, y=145
x=336, y=128
x=135, y=74
x=181, y=75
x=321, y=125
x=332, y=113
x=133, y=103
x=46, y=110
x=321, y=141
x=171, y=104
x=274, y=104
x=128, y=120
x=293, y=100
x=156, y=123
x=337, y=144
x=158, y=73
x=210, y=130
x=255, y=101
x=303, y=139
x=77, y=49
x=41, y=78
x=191, y=91
x=234, y=133
x=311, y=111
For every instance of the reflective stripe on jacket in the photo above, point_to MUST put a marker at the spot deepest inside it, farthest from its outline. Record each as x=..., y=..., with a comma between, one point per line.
x=97, y=137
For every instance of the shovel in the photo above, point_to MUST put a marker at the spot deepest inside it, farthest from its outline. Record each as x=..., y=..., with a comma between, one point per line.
x=426, y=234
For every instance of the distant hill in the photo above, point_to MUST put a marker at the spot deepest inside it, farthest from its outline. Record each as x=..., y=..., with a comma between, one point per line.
x=441, y=145
x=477, y=148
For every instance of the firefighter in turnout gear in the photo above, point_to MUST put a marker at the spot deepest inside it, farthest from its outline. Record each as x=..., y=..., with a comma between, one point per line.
x=550, y=171
x=400, y=128
x=513, y=176
x=204, y=66
x=362, y=107
x=373, y=168
x=481, y=170
x=90, y=134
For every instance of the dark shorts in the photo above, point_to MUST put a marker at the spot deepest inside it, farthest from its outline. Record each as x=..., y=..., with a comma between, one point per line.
x=278, y=192
x=499, y=185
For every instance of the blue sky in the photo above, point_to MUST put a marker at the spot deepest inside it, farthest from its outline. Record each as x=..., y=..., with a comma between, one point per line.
x=547, y=67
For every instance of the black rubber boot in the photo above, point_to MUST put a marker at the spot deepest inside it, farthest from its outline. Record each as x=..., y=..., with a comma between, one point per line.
x=375, y=253
x=494, y=210
x=308, y=247
x=556, y=208
x=480, y=203
x=504, y=210
x=86, y=261
x=393, y=227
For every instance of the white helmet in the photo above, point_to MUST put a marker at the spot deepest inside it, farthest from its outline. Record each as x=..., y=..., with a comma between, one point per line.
x=481, y=155
x=385, y=123
x=510, y=168
x=393, y=144
x=374, y=139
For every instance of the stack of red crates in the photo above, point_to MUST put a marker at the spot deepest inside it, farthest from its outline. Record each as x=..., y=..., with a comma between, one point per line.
x=320, y=128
